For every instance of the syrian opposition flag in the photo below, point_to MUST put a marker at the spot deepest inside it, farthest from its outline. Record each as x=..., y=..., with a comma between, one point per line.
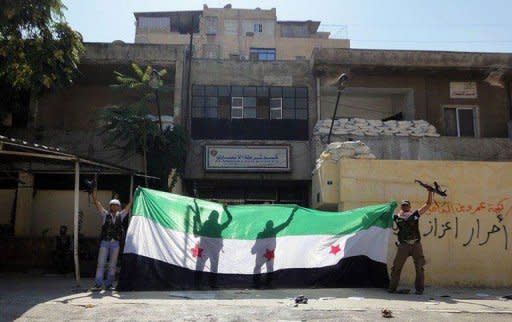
x=177, y=242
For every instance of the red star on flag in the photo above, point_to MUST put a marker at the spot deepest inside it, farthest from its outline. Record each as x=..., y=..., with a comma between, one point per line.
x=335, y=249
x=196, y=251
x=269, y=254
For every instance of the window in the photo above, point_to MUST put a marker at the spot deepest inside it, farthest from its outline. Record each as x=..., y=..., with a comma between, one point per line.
x=263, y=54
x=249, y=102
x=459, y=121
x=230, y=27
x=205, y=101
x=258, y=27
x=237, y=108
x=211, y=51
x=154, y=23
x=211, y=25
x=276, y=108
x=294, y=102
x=249, y=107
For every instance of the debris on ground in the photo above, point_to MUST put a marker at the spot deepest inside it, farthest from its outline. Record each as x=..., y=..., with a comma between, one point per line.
x=301, y=299
x=387, y=313
x=87, y=306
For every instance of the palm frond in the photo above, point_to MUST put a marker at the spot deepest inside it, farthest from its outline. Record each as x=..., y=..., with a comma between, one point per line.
x=147, y=74
x=138, y=71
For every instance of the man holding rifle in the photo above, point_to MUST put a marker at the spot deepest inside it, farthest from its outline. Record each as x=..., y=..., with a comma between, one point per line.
x=409, y=242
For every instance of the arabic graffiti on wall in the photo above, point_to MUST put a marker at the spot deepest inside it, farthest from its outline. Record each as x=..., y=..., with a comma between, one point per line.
x=481, y=207
x=468, y=224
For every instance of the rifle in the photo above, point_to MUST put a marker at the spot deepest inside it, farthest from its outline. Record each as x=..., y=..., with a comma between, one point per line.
x=435, y=188
x=90, y=185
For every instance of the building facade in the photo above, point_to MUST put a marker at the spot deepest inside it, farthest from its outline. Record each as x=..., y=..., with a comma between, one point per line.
x=251, y=122
x=250, y=97
x=236, y=34
x=250, y=126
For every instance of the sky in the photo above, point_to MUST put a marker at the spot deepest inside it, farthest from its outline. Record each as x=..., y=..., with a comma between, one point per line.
x=453, y=25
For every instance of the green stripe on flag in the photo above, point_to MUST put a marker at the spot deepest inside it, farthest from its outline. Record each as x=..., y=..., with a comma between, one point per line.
x=190, y=215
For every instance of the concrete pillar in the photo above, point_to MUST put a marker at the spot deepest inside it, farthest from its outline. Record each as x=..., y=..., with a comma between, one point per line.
x=178, y=88
x=178, y=186
x=33, y=112
x=23, y=220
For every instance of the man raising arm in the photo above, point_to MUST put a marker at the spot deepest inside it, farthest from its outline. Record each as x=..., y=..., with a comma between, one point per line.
x=111, y=234
x=409, y=239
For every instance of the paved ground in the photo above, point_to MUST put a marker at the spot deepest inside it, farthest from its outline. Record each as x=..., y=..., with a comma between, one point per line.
x=54, y=298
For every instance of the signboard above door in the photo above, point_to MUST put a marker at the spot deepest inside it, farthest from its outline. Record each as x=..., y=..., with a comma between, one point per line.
x=463, y=90
x=243, y=158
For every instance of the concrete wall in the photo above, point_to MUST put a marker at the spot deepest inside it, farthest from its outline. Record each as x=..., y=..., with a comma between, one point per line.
x=84, y=143
x=370, y=87
x=75, y=108
x=491, y=106
x=466, y=237
x=412, y=58
x=479, y=194
x=291, y=48
x=53, y=208
x=6, y=203
x=438, y=148
x=49, y=209
x=121, y=53
x=428, y=96
x=427, y=75
x=24, y=202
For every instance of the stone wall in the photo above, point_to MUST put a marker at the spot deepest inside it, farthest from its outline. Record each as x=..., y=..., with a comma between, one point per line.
x=426, y=148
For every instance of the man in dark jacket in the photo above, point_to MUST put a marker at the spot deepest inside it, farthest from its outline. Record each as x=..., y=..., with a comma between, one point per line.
x=409, y=239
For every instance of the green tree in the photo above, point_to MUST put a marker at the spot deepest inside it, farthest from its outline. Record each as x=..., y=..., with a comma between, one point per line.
x=130, y=127
x=145, y=84
x=38, y=50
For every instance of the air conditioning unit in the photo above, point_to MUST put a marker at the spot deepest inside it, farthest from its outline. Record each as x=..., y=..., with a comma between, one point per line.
x=243, y=58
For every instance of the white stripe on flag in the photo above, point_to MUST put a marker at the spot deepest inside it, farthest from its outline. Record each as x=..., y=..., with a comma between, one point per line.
x=235, y=256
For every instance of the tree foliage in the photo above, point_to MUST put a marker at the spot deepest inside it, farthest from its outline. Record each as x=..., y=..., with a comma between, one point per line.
x=38, y=49
x=128, y=127
x=131, y=128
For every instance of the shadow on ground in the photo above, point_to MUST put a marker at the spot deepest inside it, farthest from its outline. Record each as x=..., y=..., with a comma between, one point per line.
x=19, y=293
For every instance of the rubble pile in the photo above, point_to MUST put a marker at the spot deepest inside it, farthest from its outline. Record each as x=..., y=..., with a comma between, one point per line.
x=345, y=150
x=363, y=127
